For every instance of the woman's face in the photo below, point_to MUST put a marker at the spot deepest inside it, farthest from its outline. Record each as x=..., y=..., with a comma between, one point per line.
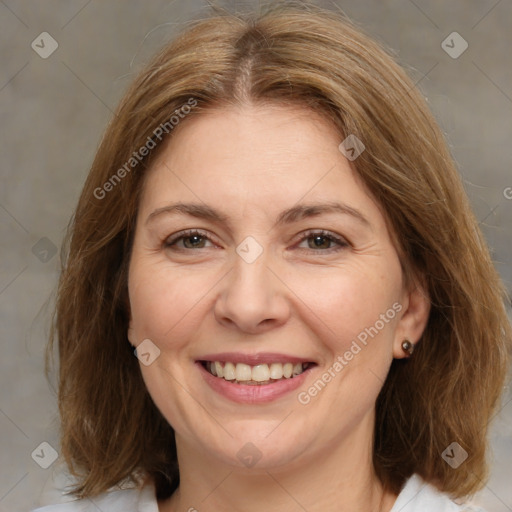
x=277, y=261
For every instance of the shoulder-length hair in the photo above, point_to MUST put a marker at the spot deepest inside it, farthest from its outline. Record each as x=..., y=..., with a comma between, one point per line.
x=291, y=54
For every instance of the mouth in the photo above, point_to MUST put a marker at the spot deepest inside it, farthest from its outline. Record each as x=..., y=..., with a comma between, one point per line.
x=254, y=378
x=255, y=375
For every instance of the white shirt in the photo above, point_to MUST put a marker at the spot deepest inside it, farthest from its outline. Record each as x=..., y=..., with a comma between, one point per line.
x=416, y=496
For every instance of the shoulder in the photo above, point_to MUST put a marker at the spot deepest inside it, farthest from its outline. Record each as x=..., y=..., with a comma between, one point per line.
x=123, y=500
x=419, y=496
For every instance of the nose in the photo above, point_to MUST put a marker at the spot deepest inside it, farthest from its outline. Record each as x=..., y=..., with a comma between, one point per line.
x=253, y=298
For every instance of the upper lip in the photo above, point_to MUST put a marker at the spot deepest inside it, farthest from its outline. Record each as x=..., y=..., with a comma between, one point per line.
x=254, y=359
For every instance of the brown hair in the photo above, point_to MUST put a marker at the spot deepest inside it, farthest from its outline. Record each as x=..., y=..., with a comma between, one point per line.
x=449, y=389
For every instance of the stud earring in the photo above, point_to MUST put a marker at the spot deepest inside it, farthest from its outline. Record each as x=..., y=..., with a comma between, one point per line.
x=407, y=347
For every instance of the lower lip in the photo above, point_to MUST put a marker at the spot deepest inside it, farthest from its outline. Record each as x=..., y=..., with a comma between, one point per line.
x=257, y=394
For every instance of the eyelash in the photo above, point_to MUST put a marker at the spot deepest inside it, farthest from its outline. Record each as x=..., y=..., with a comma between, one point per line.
x=171, y=241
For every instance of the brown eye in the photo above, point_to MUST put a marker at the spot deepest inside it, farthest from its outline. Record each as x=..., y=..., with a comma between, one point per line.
x=323, y=241
x=195, y=241
x=319, y=242
x=187, y=240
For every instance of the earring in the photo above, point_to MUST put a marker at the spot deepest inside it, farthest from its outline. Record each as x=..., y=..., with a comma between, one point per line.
x=408, y=347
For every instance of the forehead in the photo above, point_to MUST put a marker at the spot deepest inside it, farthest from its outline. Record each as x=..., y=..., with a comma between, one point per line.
x=260, y=157
x=277, y=137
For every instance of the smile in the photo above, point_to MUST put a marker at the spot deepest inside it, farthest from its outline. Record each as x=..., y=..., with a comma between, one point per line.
x=257, y=375
x=254, y=378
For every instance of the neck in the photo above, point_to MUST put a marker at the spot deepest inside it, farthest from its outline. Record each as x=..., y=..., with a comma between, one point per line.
x=340, y=478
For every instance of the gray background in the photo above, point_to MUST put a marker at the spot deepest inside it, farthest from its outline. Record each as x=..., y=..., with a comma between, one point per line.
x=53, y=112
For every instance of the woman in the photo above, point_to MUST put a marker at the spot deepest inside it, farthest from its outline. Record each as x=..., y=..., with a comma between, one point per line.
x=274, y=222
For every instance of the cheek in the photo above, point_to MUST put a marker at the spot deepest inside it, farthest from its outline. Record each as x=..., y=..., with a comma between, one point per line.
x=163, y=300
x=348, y=303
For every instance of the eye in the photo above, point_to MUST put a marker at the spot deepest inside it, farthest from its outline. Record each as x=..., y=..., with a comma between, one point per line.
x=317, y=241
x=191, y=239
x=323, y=240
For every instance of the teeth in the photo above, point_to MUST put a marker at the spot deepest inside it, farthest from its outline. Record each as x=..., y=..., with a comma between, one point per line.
x=297, y=369
x=276, y=371
x=229, y=371
x=243, y=372
x=261, y=373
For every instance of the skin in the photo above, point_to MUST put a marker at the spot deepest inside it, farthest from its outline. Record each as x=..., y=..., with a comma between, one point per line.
x=199, y=296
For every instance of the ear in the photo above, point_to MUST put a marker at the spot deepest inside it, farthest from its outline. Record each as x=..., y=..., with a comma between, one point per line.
x=415, y=313
x=131, y=333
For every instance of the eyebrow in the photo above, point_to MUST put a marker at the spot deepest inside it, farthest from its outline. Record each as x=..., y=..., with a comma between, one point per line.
x=289, y=216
